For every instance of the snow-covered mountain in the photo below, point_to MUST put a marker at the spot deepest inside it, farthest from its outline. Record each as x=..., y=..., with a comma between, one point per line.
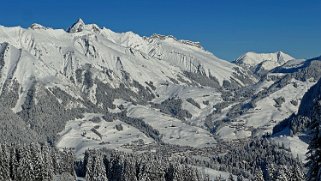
x=260, y=63
x=90, y=87
x=53, y=78
x=275, y=97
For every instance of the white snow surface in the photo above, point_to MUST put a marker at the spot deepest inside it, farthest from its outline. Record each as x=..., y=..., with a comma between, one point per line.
x=151, y=58
x=214, y=174
x=173, y=130
x=268, y=61
x=295, y=63
x=79, y=135
x=297, y=146
x=266, y=115
x=198, y=94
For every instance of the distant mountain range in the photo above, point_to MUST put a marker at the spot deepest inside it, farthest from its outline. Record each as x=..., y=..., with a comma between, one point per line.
x=261, y=63
x=89, y=87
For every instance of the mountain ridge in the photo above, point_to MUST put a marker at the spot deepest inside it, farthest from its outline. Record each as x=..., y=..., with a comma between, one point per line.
x=118, y=75
x=91, y=88
x=261, y=63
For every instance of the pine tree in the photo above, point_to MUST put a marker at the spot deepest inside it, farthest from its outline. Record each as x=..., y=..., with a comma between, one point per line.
x=67, y=162
x=13, y=162
x=129, y=170
x=48, y=170
x=25, y=168
x=297, y=173
x=95, y=169
x=116, y=169
x=36, y=161
x=178, y=173
x=271, y=172
x=280, y=175
x=88, y=165
x=169, y=172
x=4, y=163
x=314, y=149
x=99, y=170
x=55, y=164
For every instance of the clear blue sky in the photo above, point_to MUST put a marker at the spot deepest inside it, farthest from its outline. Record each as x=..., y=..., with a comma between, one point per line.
x=228, y=28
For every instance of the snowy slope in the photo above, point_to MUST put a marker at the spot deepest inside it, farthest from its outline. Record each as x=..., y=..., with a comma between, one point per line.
x=274, y=98
x=93, y=131
x=298, y=147
x=67, y=75
x=252, y=58
x=266, y=112
x=64, y=52
x=259, y=62
x=173, y=131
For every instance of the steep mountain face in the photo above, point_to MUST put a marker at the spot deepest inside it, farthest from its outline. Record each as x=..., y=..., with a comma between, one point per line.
x=272, y=99
x=300, y=122
x=89, y=82
x=314, y=131
x=261, y=63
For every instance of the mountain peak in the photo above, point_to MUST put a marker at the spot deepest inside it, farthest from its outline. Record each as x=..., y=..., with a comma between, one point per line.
x=186, y=42
x=280, y=53
x=80, y=21
x=78, y=26
x=36, y=26
x=251, y=58
x=266, y=61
